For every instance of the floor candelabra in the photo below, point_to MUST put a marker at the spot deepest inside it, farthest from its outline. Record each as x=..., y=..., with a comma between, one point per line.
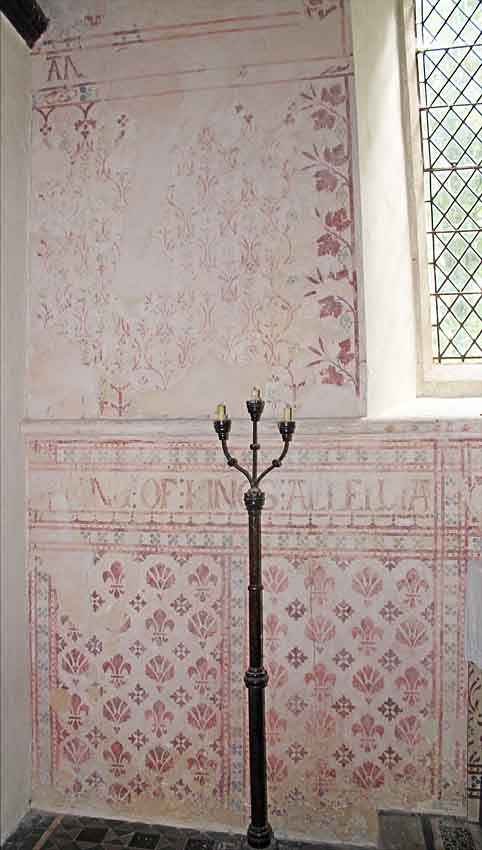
x=260, y=834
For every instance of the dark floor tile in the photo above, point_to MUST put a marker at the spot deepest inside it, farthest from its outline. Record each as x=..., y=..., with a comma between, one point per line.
x=200, y=844
x=149, y=840
x=232, y=842
x=399, y=831
x=28, y=842
x=451, y=833
x=92, y=834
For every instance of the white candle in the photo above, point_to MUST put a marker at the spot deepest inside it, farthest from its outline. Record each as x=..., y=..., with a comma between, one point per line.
x=288, y=413
x=256, y=395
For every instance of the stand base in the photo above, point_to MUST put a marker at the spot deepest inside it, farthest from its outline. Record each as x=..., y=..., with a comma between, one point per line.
x=260, y=838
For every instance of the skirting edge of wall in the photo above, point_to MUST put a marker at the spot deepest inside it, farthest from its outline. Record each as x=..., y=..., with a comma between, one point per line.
x=181, y=429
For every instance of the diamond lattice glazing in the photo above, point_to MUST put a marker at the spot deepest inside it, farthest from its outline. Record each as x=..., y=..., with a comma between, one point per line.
x=449, y=35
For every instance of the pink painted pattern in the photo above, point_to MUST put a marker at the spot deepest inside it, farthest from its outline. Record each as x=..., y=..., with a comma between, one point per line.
x=365, y=673
x=242, y=244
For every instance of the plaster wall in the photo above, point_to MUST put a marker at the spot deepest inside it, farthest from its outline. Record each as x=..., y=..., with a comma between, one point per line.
x=196, y=230
x=389, y=289
x=15, y=72
x=194, y=210
x=138, y=592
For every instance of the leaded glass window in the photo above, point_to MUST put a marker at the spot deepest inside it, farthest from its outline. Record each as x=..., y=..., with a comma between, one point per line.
x=449, y=61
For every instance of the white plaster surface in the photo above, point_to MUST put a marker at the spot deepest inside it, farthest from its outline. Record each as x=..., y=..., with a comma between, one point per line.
x=389, y=303
x=15, y=164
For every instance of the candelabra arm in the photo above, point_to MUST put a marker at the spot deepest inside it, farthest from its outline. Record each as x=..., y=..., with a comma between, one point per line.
x=234, y=463
x=222, y=428
x=275, y=464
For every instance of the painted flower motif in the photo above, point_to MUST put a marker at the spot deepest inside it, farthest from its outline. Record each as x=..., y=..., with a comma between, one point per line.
x=412, y=633
x=337, y=220
x=389, y=709
x=343, y=706
x=321, y=725
x=368, y=776
x=203, y=580
x=277, y=770
x=160, y=625
x=160, y=670
x=159, y=718
x=368, y=730
x=344, y=755
x=94, y=645
x=118, y=758
x=278, y=675
x=275, y=579
x=334, y=95
x=296, y=609
x=409, y=731
x=275, y=727
x=203, y=625
x=325, y=181
x=328, y=245
x=181, y=743
x=118, y=669
x=77, y=709
x=138, y=739
x=275, y=630
x=115, y=578
x=320, y=8
x=333, y=376
x=411, y=684
x=368, y=681
x=369, y=635
x=296, y=752
x=118, y=794
x=117, y=711
x=160, y=577
x=138, y=785
x=75, y=663
x=159, y=760
x=320, y=630
x=203, y=676
x=76, y=752
x=336, y=156
x=368, y=584
x=320, y=583
x=95, y=737
x=323, y=120
x=322, y=681
x=331, y=306
x=201, y=766
x=413, y=586
x=202, y=717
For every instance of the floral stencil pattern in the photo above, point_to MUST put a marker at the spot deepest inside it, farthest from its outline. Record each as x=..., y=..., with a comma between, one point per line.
x=243, y=251
x=363, y=668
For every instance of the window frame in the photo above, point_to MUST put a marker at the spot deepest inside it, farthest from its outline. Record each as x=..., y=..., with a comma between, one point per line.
x=433, y=379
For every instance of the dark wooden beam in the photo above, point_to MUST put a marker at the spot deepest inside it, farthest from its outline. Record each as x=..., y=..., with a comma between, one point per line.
x=27, y=18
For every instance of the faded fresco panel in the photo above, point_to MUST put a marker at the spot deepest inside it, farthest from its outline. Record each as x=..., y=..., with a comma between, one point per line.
x=138, y=553
x=194, y=210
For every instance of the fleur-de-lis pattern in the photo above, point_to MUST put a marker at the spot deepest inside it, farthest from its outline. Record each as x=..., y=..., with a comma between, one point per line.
x=362, y=645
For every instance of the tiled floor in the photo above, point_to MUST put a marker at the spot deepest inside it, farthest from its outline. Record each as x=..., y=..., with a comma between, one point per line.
x=41, y=831
x=427, y=832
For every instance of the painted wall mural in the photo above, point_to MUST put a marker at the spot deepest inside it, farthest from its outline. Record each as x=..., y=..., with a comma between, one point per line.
x=194, y=208
x=138, y=595
x=194, y=231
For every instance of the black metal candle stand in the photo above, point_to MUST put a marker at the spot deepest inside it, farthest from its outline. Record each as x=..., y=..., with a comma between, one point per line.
x=259, y=834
